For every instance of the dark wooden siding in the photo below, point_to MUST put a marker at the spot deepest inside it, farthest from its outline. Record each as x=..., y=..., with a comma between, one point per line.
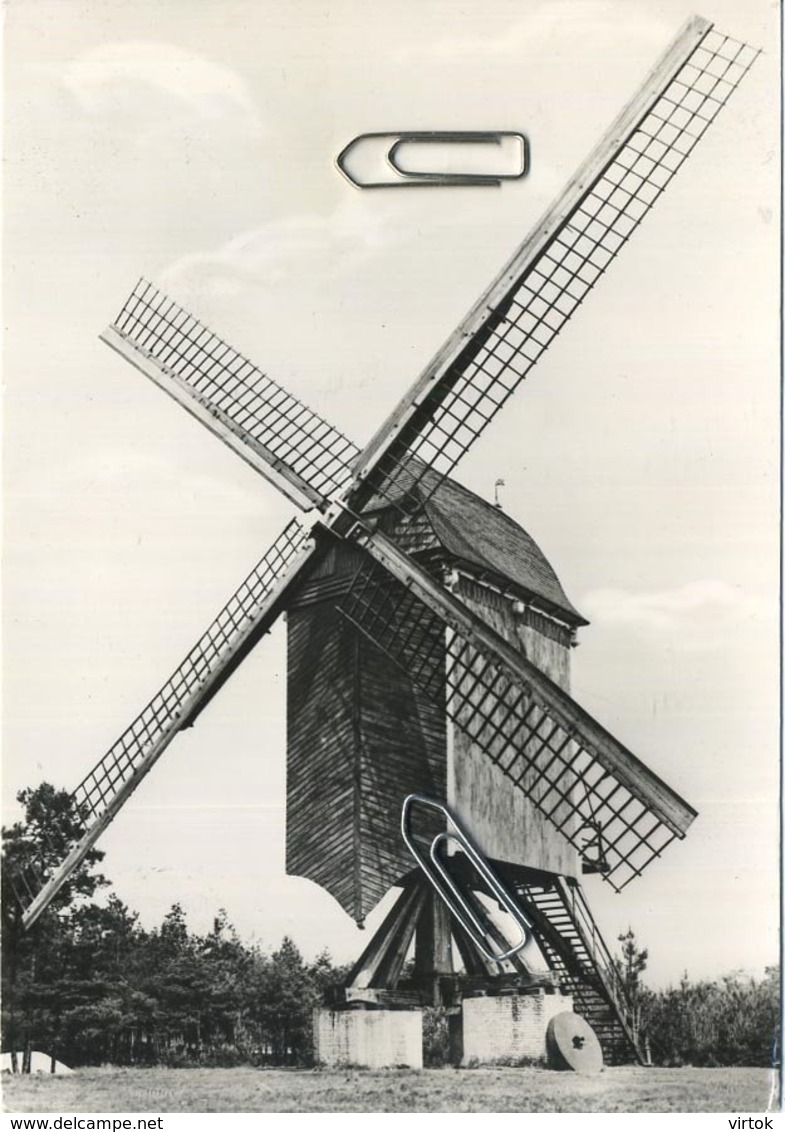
x=404, y=737
x=321, y=763
x=359, y=739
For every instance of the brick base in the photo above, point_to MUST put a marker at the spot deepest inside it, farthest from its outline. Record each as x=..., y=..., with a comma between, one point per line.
x=374, y=1039
x=509, y=1028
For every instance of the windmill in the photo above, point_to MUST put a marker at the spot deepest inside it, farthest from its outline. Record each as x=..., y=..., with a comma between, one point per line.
x=428, y=636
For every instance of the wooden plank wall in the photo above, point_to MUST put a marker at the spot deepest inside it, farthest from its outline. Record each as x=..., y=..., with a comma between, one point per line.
x=404, y=744
x=321, y=759
x=504, y=822
x=359, y=739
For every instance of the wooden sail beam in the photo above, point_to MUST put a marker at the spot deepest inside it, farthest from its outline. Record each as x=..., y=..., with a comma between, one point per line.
x=113, y=780
x=534, y=296
x=623, y=764
x=693, y=31
x=288, y=443
x=260, y=458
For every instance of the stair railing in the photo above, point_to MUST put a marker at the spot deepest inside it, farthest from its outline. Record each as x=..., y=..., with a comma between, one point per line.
x=600, y=955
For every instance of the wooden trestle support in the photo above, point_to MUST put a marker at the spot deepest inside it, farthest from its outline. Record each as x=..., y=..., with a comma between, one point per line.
x=578, y=961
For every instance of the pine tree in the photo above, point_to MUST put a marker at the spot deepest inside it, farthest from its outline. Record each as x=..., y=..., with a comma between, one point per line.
x=630, y=967
x=32, y=961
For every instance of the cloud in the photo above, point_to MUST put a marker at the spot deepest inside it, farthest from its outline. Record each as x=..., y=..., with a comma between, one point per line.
x=595, y=23
x=319, y=246
x=148, y=87
x=701, y=613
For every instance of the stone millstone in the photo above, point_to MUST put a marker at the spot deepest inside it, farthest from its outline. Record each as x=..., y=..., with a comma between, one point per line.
x=572, y=1044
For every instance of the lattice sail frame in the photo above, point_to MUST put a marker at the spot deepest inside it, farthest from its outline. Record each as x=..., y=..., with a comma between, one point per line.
x=107, y=786
x=232, y=388
x=517, y=319
x=520, y=724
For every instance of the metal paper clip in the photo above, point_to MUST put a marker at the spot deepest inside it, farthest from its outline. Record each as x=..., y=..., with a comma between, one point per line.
x=447, y=889
x=407, y=178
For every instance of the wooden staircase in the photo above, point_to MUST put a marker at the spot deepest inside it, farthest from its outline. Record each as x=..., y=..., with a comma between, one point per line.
x=574, y=949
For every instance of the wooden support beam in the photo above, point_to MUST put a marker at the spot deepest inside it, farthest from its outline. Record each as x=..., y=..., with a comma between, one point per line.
x=432, y=946
x=474, y=962
x=381, y=962
x=383, y=996
x=432, y=951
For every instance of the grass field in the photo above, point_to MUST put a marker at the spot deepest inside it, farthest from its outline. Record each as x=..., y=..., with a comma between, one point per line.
x=153, y=1091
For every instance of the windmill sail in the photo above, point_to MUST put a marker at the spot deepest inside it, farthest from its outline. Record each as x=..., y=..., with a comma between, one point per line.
x=578, y=775
x=242, y=622
x=303, y=455
x=520, y=314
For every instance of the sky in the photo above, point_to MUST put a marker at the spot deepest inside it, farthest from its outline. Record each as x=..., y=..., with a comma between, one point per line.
x=194, y=144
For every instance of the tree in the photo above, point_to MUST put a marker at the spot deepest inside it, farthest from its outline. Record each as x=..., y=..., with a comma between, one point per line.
x=630, y=967
x=104, y=1016
x=730, y=1021
x=32, y=960
x=289, y=995
x=34, y=847
x=89, y=985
